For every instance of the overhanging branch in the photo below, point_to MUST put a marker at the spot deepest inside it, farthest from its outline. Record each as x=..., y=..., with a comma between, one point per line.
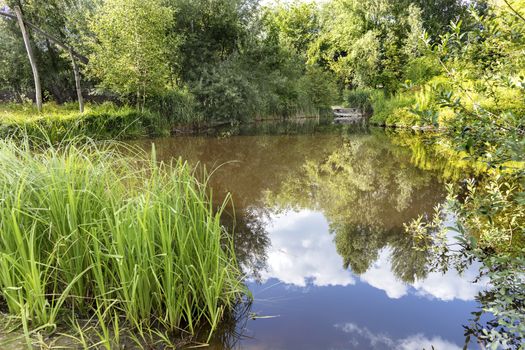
x=65, y=47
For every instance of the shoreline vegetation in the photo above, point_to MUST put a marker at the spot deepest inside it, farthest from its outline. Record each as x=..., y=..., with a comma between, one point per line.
x=89, y=233
x=108, y=121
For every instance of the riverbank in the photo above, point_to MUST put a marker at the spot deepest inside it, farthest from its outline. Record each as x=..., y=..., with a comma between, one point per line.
x=108, y=121
x=60, y=122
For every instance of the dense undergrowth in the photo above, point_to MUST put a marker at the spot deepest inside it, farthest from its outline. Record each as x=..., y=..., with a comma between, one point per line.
x=62, y=122
x=91, y=234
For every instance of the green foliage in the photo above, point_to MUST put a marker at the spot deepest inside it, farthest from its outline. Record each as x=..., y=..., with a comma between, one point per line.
x=437, y=15
x=317, y=88
x=129, y=52
x=485, y=92
x=59, y=123
x=266, y=55
x=205, y=32
x=88, y=232
x=366, y=43
x=421, y=70
x=361, y=98
x=296, y=23
x=175, y=107
x=394, y=110
x=500, y=319
x=14, y=66
x=225, y=93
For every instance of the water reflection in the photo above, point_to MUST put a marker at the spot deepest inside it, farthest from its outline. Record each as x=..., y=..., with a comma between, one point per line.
x=367, y=190
x=302, y=254
x=364, y=337
x=318, y=219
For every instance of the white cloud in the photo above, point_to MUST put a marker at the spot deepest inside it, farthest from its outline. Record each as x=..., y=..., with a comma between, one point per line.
x=382, y=340
x=380, y=276
x=418, y=342
x=450, y=286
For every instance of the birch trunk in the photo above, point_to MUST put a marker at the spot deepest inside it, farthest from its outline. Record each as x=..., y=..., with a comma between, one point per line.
x=77, y=82
x=32, y=60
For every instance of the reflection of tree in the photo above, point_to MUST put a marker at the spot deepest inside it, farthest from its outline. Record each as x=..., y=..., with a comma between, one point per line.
x=428, y=152
x=358, y=245
x=250, y=239
x=367, y=189
x=406, y=262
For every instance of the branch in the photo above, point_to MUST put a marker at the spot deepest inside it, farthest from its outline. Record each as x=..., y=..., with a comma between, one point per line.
x=514, y=10
x=65, y=47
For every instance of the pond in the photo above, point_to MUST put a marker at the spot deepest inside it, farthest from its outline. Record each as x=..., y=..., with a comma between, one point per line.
x=318, y=216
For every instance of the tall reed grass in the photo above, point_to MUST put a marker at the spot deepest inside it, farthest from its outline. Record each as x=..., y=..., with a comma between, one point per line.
x=63, y=122
x=88, y=232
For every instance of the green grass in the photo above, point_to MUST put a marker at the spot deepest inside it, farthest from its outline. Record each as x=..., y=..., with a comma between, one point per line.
x=62, y=122
x=90, y=233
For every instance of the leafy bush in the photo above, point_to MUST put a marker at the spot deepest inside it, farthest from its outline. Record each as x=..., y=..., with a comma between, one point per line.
x=391, y=111
x=421, y=70
x=226, y=93
x=58, y=123
x=361, y=98
x=402, y=116
x=175, y=107
x=318, y=89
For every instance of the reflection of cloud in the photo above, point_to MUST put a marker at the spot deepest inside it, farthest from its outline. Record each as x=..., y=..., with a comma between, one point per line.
x=418, y=342
x=383, y=341
x=375, y=340
x=448, y=286
x=303, y=252
x=380, y=276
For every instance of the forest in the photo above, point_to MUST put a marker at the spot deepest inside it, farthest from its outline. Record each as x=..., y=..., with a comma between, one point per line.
x=77, y=73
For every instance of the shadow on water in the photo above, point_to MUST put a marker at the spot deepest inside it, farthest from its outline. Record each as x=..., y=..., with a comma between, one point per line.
x=318, y=221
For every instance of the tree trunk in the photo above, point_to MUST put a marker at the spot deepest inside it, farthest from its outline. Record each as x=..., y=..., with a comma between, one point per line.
x=32, y=60
x=77, y=82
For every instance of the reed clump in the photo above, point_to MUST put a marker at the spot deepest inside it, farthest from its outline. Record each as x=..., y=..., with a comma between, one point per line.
x=90, y=233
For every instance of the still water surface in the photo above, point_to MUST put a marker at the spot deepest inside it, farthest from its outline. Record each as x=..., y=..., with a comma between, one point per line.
x=319, y=214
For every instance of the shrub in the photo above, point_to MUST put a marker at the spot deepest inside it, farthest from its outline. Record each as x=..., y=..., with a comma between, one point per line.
x=361, y=98
x=175, y=107
x=317, y=89
x=386, y=109
x=225, y=93
x=58, y=123
x=422, y=69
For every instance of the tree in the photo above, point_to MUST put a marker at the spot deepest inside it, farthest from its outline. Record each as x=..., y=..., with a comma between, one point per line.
x=297, y=24
x=32, y=59
x=206, y=32
x=437, y=15
x=50, y=25
x=129, y=50
x=360, y=42
x=15, y=72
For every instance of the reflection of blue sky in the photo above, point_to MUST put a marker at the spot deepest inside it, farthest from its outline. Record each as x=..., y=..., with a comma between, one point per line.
x=303, y=253
x=318, y=304
x=363, y=337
